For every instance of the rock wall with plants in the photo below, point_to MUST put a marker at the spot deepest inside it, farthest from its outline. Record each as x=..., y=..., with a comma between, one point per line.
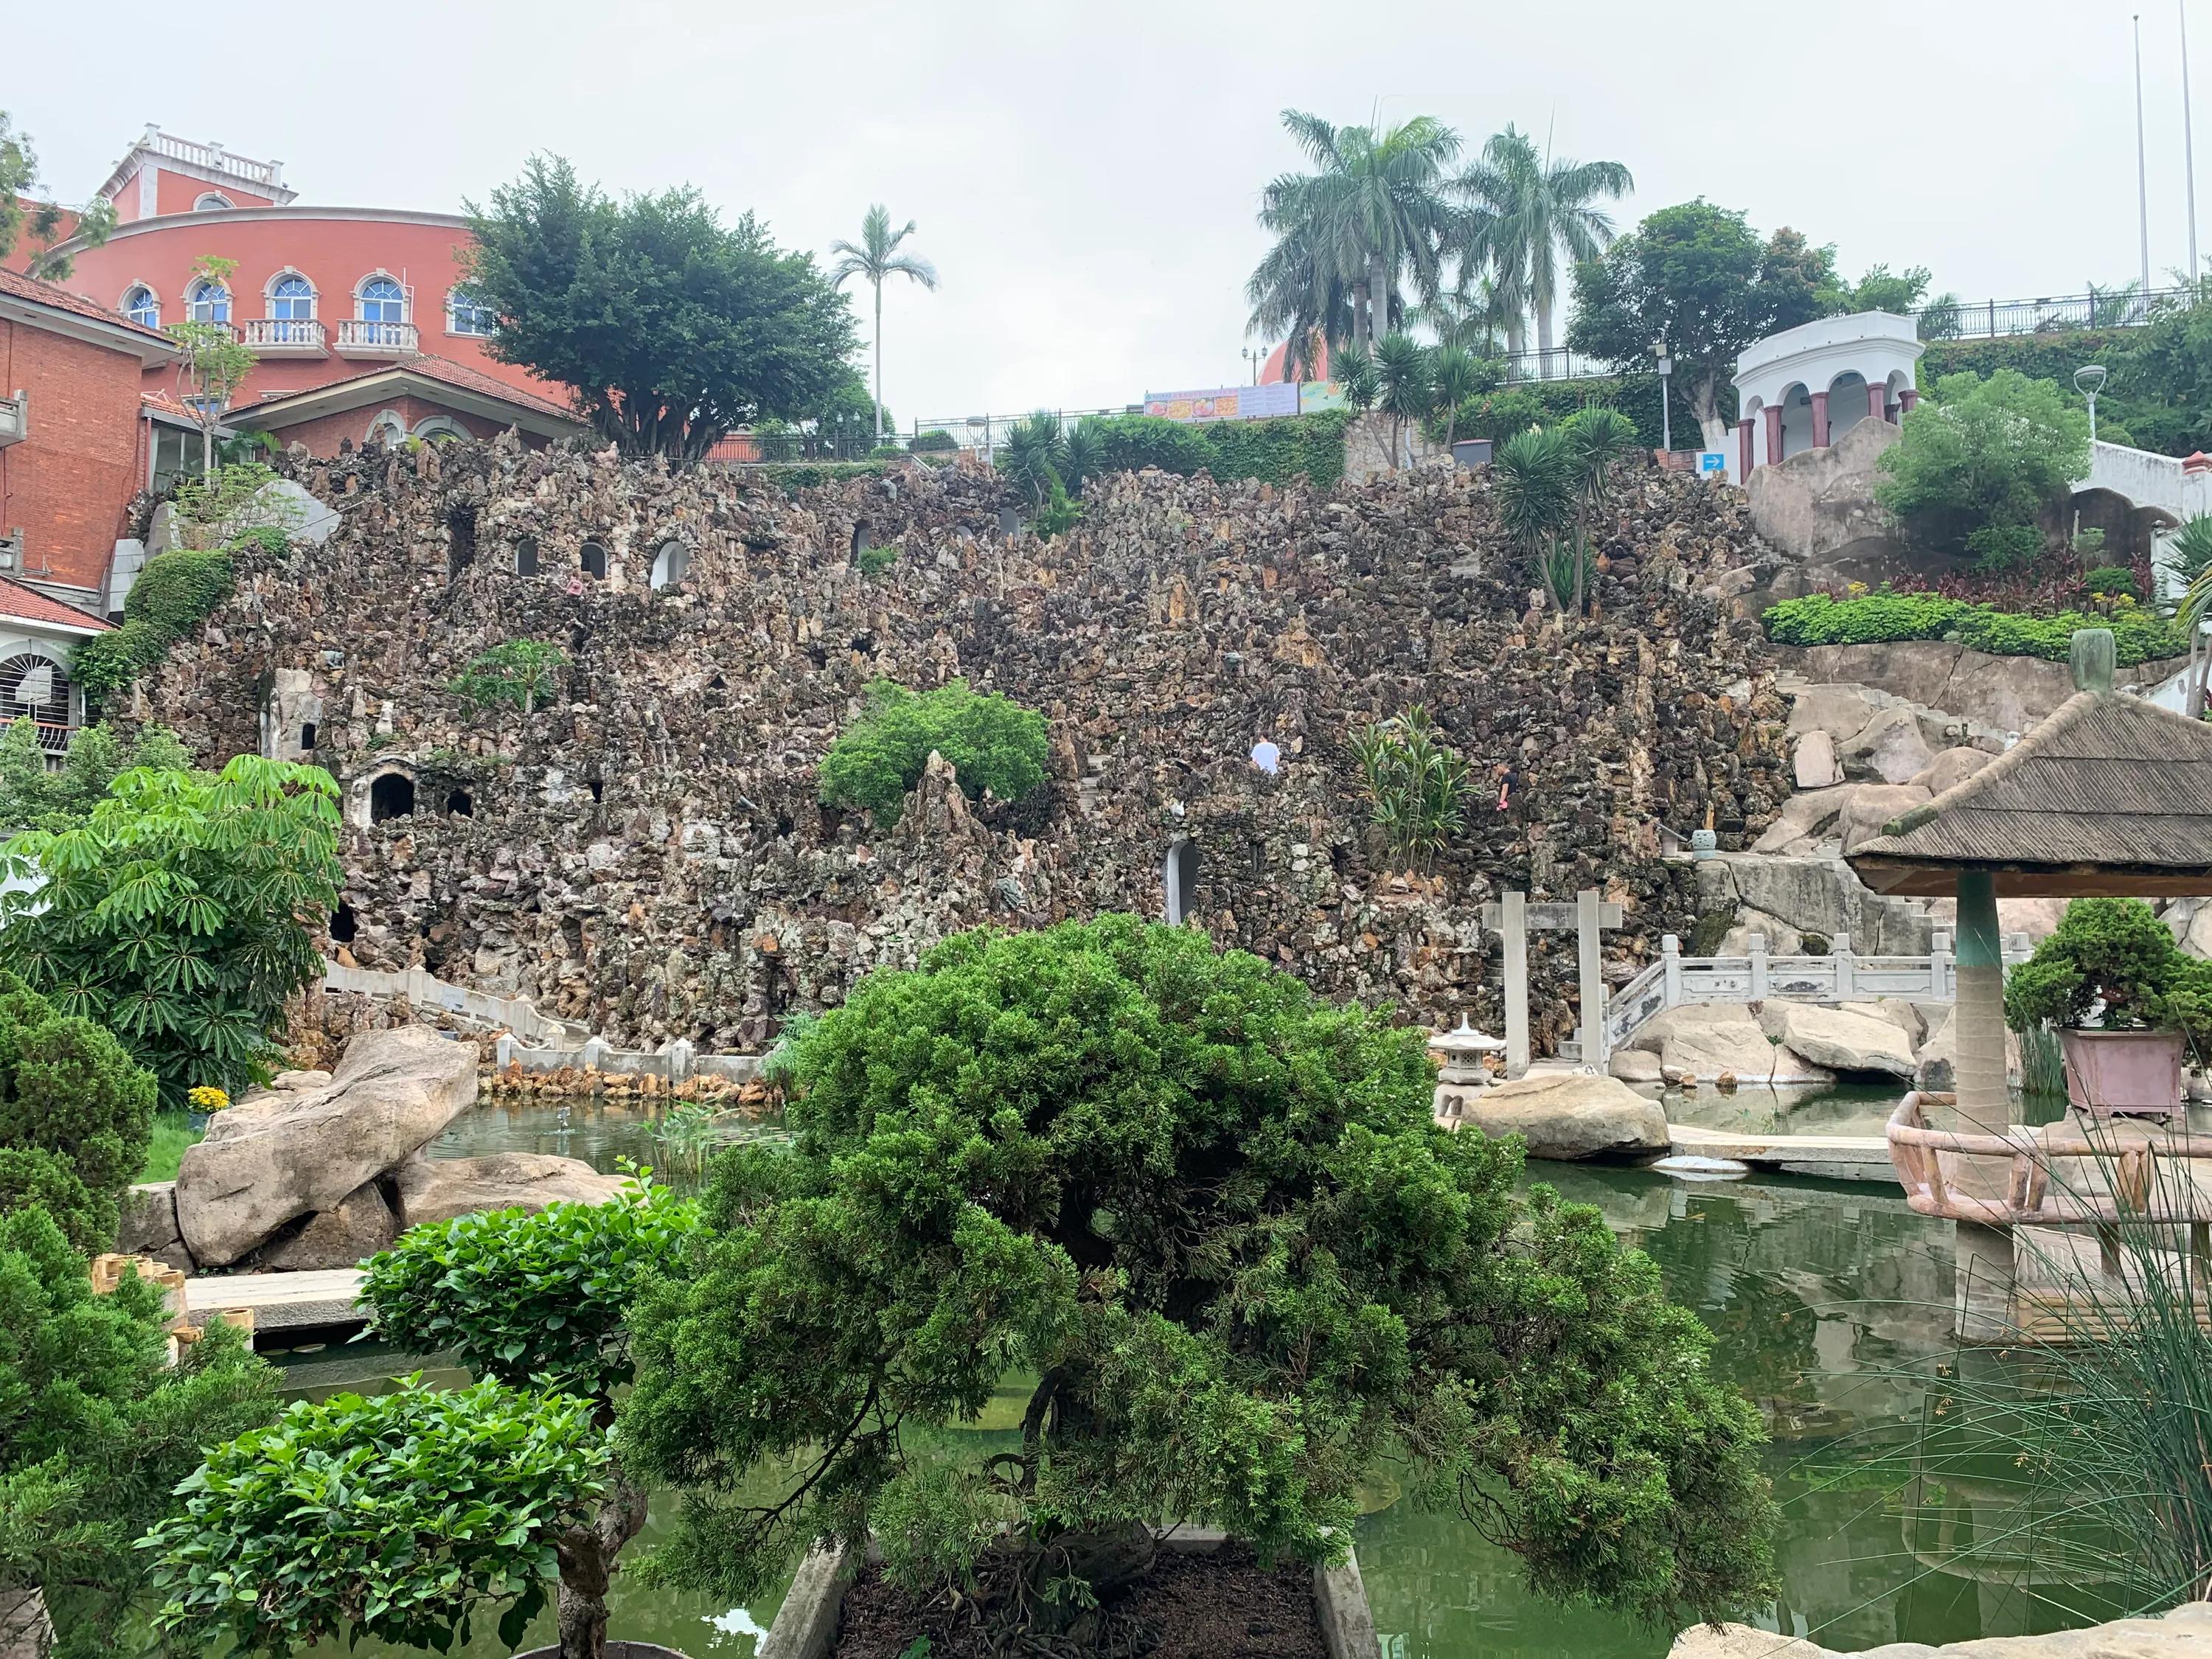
x=625, y=821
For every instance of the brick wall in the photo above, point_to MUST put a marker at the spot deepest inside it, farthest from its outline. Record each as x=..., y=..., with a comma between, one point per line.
x=67, y=484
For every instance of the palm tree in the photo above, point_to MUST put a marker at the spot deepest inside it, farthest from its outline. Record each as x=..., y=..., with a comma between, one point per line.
x=1403, y=389
x=1372, y=212
x=875, y=258
x=1457, y=377
x=1537, y=205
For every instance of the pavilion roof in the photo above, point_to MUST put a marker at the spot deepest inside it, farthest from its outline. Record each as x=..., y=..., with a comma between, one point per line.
x=2111, y=794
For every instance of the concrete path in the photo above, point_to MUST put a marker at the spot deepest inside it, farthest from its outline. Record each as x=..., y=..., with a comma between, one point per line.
x=281, y=1301
x=1838, y=1157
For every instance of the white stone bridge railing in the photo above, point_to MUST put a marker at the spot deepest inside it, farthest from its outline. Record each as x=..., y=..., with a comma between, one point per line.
x=1843, y=976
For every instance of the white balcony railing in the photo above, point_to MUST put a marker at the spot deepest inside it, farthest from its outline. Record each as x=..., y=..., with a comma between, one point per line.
x=215, y=158
x=360, y=339
x=15, y=420
x=279, y=336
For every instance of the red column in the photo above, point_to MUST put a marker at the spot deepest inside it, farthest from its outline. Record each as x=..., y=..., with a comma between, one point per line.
x=1773, y=433
x=1819, y=420
x=1878, y=400
x=1907, y=398
x=1743, y=445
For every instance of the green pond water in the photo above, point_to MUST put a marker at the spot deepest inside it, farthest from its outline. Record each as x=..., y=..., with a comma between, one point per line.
x=1830, y=1303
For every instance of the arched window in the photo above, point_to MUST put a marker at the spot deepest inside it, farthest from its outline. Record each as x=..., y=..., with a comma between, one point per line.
x=671, y=564
x=292, y=297
x=391, y=795
x=36, y=688
x=214, y=198
x=382, y=299
x=141, y=307
x=387, y=428
x=208, y=300
x=594, y=558
x=1180, y=876
x=526, y=556
x=459, y=805
x=466, y=314
x=440, y=426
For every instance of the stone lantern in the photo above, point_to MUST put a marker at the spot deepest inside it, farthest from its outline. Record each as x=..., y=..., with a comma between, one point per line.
x=1462, y=1050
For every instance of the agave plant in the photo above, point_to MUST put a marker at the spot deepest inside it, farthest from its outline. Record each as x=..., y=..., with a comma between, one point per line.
x=1083, y=456
x=1416, y=788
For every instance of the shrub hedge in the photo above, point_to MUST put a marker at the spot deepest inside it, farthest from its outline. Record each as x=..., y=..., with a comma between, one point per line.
x=1819, y=620
x=174, y=593
x=1273, y=451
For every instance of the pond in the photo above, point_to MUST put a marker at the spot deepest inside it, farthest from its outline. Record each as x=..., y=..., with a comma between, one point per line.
x=1830, y=1304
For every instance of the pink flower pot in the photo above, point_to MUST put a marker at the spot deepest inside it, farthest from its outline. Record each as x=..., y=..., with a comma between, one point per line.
x=615, y=1650
x=2109, y=1071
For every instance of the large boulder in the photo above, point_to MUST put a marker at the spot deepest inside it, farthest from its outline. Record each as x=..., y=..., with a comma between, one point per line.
x=1840, y=1039
x=1568, y=1115
x=1814, y=762
x=2185, y=1632
x=1839, y=710
x=1871, y=807
x=433, y=1189
x=361, y=1225
x=1703, y=1040
x=1951, y=766
x=285, y=1153
x=149, y=1226
x=1890, y=747
x=1804, y=820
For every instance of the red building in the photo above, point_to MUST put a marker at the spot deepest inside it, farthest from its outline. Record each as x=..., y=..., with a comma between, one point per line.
x=322, y=294
x=77, y=439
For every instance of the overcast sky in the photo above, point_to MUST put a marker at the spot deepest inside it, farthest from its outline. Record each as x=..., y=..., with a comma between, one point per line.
x=1086, y=176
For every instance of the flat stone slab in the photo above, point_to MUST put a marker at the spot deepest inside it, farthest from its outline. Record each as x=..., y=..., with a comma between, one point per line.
x=1836, y=1158
x=329, y=1295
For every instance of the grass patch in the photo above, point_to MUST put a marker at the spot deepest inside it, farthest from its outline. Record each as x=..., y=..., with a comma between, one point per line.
x=173, y=1133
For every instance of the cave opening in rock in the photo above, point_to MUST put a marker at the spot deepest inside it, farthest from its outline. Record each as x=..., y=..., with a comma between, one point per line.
x=391, y=795
x=344, y=924
x=459, y=805
x=460, y=541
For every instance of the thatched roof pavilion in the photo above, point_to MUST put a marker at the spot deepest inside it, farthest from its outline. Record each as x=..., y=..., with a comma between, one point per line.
x=2109, y=795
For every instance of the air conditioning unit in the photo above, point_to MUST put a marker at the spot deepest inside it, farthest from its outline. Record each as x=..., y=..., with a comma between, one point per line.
x=11, y=551
x=15, y=419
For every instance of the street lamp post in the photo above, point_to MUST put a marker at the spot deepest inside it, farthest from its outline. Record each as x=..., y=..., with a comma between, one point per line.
x=2089, y=380
x=1666, y=414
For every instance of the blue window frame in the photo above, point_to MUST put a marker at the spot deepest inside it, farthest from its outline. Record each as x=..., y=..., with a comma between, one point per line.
x=141, y=307
x=291, y=299
x=383, y=301
x=208, y=302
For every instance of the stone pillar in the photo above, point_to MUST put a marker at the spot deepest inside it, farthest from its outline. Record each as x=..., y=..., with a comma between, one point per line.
x=1984, y=1101
x=1773, y=434
x=1878, y=399
x=1819, y=420
x=1516, y=933
x=1590, y=959
x=1908, y=399
x=1743, y=442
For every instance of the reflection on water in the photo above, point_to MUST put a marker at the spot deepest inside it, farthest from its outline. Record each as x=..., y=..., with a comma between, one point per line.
x=1831, y=1108
x=1829, y=1302
x=602, y=1133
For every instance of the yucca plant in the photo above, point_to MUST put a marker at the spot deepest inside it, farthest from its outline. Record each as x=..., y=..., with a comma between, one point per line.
x=1455, y=377
x=1355, y=373
x=1536, y=477
x=1416, y=788
x=1083, y=455
x=1404, y=391
x=1033, y=456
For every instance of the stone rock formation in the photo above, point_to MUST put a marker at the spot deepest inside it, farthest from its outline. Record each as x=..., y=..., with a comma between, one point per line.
x=359, y=1225
x=1845, y=1040
x=149, y=1226
x=2185, y=1632
x=1705, y=1040
x=433, y=1189
x=281, y=1154
x=1567, y=1117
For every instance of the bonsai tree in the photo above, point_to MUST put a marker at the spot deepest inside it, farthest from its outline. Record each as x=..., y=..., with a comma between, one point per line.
x=993, y=742
x=1211, y=1216
x=96, y=1428
x=452, y=1503
x=2116, y=952
x=75, y=1114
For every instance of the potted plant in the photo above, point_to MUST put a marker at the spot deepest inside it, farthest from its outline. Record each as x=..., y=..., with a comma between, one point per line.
x=2127, y=1003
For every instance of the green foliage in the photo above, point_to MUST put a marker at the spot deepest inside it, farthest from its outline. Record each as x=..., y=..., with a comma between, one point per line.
x=175, y=593
x=165, y=1147
x=876, y=557
x=25, y=214
x=674, y=327
x=2052, y=357
x=875, y=259
x=32, y=798
x=1405, y=388
x=1983, y=454
x=1998, y=549
x=2116, y=952
x=994, y=743
x=516, y=674
x=936, y=441
x=1819, y=620
x=96, y=1428
x=213, y=363
x=531, y=1300
x=106, y=662
x=178, y=590
x=1032, y=456
x=780, y=1066
x=1416, y=786
x=1537, y=479
x=74, y=1108
x=2108, y=580
x=172, y=914
x=1359, y=376
x=1212, y=1216
x=2161, y=383
x=1274, y=451
x=400, y=1517
x=228, y=501
x=1058, y=514
x=2191, y=547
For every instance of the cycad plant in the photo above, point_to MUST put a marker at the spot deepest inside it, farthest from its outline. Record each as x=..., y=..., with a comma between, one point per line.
x=1355, y=373
x=1034, y=455
x=1455, y=377
x=1416, y=788
x=1537, y=478
x=1404, y=389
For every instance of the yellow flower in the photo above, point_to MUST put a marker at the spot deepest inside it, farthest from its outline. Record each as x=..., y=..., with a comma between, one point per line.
x=206, y=1098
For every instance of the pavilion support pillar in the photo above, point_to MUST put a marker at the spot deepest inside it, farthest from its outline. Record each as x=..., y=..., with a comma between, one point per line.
x=1819, y=420
x=1907, y=399
x=1773, y=412
x=1878, y=400
x=1743, y=445
x=1984, y=1098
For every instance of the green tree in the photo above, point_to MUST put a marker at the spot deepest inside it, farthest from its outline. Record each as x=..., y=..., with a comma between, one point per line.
x=2161, y=388
x=1536, y=478
x=1033, y=456
x=1358, y=374
x=33, y=798
x=181, y=914
x=1799, y=282
x=993, y=742
x=1213, y=1218
x=536, y=1305
x=22, y=214
x=1404, y=389
x=672, y=327
x=1696, y=276
x=1457, y=376
x=96, y=1428
x=1536, y=206
x=75, y=1114
x=1901, y=293
x=516, y=674
x=1416, y=786
x=1983, y=455
x=875, y=258
x=1372, y=213
x=213, y=365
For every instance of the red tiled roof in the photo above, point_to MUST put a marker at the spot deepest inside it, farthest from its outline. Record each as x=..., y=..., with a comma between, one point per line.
x=169, y=406
x=17, y=286
x=31, y=605
x=460, y=376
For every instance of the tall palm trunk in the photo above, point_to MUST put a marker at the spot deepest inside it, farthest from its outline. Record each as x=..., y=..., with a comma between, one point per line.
x=1378, y=300
x=1985, y=1096
x=880, y=362
x=1544, y=331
